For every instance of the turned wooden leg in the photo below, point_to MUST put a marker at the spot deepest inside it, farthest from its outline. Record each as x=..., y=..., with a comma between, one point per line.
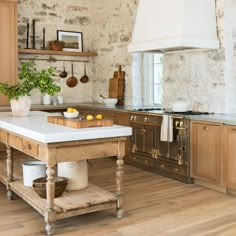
x=50, y=216
x=9, y=172
x=119, y=185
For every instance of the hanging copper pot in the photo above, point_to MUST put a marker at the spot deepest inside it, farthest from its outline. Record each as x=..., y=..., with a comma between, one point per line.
x=72, y=81
x=84, y=78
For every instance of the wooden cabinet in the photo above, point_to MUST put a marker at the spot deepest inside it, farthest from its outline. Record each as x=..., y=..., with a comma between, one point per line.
x=206, y=151
x=8, y=44
x=229, y=153
x=121, y=118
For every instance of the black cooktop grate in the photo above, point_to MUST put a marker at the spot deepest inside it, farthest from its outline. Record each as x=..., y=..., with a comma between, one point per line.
x=189, y=113
x=148, y=109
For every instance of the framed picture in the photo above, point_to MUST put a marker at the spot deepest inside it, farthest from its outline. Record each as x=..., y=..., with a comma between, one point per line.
x=73, y=40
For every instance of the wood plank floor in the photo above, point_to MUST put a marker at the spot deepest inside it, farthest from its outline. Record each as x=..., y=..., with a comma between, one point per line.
x=155, y=206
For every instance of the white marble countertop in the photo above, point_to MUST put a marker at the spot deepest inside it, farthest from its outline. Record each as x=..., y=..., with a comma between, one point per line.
x=36, y=127
x=227, y=119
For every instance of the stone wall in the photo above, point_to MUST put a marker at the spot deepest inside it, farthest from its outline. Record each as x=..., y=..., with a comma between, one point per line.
x=106, y=27
x=112, y=25
x=205, y=79
x=70, y=15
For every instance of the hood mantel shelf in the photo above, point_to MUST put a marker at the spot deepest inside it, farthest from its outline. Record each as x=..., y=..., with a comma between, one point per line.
x=170, y=26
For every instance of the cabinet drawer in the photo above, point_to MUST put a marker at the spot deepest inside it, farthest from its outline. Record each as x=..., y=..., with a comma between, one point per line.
x=181, y=170
x=15, y=142
x=143, y=160
x=30, y=147
x=3, y=136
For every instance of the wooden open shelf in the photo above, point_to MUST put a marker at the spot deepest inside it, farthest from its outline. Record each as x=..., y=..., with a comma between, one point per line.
x=62, y=53
x=71, y=203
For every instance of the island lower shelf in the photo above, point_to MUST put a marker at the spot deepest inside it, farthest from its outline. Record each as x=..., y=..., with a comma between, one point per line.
x=71, y=203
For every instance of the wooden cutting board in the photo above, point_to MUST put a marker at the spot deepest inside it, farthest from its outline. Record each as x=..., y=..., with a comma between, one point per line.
x=117, y=86
x=76, y=123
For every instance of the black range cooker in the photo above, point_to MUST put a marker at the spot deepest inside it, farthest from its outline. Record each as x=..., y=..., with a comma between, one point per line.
x=160, y=142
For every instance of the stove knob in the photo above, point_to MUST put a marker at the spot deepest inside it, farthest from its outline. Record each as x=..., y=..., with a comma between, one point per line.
x=135, y=118
x=131, y=117
x=146, y=119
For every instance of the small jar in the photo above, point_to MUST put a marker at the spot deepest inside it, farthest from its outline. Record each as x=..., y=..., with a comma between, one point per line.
x=60, y=99
x=54, y=102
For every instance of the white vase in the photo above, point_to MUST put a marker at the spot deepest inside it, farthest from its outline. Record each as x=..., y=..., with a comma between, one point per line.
x=46, y=99
x=21, y=106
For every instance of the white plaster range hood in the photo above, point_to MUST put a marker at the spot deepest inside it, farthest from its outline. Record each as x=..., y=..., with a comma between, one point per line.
x=170, y=25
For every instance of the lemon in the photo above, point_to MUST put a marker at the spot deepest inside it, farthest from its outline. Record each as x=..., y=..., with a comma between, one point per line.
x=98, y=116
x=69, y=109
x=89, y=117
x=74, y=110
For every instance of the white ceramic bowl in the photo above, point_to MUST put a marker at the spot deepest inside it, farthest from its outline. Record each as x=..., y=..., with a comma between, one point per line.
x=110, y=101
x=180, y=106
x=70, y=114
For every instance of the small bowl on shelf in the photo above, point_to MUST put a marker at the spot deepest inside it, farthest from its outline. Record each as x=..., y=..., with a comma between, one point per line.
x=71, y=114
x=39, y=186
x=110, y=101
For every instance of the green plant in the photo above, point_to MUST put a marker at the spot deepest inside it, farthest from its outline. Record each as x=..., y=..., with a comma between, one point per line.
x=24, y=85
x=14, y=91
x=45, y=83
x=30, y=78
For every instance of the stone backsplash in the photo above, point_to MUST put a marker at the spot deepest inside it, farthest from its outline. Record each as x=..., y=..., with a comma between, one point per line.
x=204, y=78
x=70, y=15
x=106, y=28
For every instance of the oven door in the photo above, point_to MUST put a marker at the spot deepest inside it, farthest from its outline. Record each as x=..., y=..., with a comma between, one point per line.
x=171, y=150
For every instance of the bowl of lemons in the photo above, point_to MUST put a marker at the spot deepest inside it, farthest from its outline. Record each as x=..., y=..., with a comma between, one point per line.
x=71, y=113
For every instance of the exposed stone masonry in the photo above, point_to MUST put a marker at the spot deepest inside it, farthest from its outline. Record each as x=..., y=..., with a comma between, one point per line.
x=206, y=79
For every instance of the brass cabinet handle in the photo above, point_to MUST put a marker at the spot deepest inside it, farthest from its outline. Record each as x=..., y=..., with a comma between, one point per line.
x=143, y=131
x=156, y=153
x=163, y=166
x=153, y=153
x=205, y=128
x=177, y=169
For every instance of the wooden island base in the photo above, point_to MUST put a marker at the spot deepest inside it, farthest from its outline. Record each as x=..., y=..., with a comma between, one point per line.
x=71, y=203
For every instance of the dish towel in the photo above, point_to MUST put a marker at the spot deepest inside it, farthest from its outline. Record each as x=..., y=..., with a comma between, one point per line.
x=167, y=128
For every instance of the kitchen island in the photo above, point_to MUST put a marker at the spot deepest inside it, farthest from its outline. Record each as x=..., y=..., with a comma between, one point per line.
x=52, y=144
